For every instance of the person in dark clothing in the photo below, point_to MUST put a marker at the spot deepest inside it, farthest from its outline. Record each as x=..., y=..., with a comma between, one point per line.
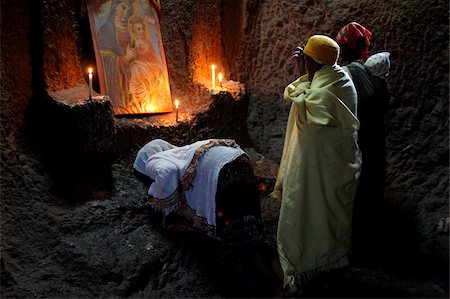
x=369, y=75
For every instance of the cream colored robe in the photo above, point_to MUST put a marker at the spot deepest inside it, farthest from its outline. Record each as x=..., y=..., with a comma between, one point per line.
x=318, y=175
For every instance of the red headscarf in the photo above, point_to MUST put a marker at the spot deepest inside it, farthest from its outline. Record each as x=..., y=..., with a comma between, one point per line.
x=350, y=34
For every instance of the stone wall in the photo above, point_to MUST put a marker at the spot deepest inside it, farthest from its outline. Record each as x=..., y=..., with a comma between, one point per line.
x=15, y=67
x=258, y=38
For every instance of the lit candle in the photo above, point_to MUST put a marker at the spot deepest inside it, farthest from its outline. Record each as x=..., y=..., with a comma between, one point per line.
x=90, y=82
x=176, y=108
x=220, y=79
x=213, y=78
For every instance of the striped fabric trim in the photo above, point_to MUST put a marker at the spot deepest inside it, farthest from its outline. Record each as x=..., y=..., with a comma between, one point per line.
x=197, y=221
x=184, y=210
x=169, y=202
x=176, y=202
x=186, y=180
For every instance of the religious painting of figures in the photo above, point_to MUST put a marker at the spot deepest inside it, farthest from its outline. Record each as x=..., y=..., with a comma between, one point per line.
x=130, y=56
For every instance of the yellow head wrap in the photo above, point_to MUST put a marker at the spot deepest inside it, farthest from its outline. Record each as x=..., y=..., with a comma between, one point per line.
x=322, y=49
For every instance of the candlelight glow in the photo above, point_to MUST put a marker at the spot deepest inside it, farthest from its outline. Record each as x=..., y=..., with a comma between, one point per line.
x=213, y=76
x=209, y=75
x=150, y=108
x=176, y=110
x=90, y=71
x=220, y=79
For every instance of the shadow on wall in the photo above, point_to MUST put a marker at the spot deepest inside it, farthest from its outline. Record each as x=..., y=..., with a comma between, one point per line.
x=66, y=134
x=392, y=241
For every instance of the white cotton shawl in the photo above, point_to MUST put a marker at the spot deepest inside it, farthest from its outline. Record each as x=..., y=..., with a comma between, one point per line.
x=151, y=148
x=168, y=167
x=318, y=174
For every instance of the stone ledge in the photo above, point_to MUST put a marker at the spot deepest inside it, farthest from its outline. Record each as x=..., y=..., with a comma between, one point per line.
x=224, y=117
x=86, y=125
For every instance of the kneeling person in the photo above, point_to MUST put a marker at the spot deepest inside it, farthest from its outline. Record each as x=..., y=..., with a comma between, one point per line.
x=212, y=184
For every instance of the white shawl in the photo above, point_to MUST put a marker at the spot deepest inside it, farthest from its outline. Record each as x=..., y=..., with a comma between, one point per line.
x=169, y=170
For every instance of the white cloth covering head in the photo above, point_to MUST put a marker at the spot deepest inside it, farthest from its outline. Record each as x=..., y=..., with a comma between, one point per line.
x=166, y=164
x=379, y=64
x=148, y=150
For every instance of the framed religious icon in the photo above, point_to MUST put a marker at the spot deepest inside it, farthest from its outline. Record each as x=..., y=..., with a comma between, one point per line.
x=130, y=56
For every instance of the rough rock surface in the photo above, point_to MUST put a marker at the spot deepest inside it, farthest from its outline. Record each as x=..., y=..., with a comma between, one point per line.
x=258, y=38
x=91, y=238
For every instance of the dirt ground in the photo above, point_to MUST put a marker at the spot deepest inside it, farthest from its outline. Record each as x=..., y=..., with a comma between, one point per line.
x=111, y=244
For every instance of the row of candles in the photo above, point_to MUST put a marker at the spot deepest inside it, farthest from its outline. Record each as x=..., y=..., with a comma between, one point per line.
x=177, y=103
x=213, y=85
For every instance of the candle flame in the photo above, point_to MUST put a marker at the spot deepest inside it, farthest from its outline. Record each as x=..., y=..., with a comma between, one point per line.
x=176, y=104
x=213, y=67
x=220, y=77
x=90, y=71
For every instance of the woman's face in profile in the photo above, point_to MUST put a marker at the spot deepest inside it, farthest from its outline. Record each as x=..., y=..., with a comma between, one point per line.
x=310, y=66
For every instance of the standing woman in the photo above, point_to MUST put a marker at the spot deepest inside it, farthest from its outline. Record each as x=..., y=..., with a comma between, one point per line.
x=369, y=77
x=319, y=167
